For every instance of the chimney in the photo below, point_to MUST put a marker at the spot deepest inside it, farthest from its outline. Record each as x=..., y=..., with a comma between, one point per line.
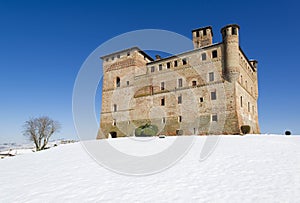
x=157, y=57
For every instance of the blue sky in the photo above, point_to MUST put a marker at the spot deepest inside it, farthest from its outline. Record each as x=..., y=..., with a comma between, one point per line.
x=44, y=43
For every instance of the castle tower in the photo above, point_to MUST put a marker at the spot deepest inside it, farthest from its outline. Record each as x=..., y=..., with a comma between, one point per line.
x=230, y=36
x=202, y=37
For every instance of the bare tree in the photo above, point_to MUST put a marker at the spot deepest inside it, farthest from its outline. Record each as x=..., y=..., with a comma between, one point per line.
x=39, y=130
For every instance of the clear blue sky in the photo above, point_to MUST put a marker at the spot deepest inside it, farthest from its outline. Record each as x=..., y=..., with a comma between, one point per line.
x=44, y=43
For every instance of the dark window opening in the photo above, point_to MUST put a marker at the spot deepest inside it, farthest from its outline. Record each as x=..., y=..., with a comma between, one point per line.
x=127, y=82
x=215, y=54
x=203, y=56
x=179, y=119
x=179, y=99
x=204, y=32
x=197, y=34
x=118, y=56
x=118, y=82
x=214, y=117
x=211, y=77
x=168, y=65
x=201, y=99
x=180, y=82
x=234, y=31
x=128, y=53
x=152, y=69
x=241, y=101
x=213, y=95
x=113, y=134
x=162, y=102
x=175, y=63
x=114, y=122
x=115, y=107
x=162, y=86
x=194, y=83
x=184, y=61
x=160, y=67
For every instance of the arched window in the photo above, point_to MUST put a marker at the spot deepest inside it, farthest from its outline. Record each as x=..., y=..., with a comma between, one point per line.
x=118, y=82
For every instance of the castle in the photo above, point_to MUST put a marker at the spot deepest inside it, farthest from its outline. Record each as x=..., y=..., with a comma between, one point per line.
x=211, y=89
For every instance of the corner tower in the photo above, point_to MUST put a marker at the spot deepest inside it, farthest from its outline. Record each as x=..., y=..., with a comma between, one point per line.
x=202, y=37
x=230, y=36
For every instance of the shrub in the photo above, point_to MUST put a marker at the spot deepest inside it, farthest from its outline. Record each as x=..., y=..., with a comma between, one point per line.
x=146, y=130
x=288, y=132
x=179, y=132
x=138, y=131
x=245, y=129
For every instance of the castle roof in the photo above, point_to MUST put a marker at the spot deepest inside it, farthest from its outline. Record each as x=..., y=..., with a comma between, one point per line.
x=127, y=50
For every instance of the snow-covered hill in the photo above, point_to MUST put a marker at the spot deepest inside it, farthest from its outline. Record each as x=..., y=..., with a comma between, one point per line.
x=242, y=168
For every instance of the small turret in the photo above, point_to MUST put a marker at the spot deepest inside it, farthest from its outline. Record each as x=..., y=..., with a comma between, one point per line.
x=230, y=35
x=202, y=37
x=254, y=64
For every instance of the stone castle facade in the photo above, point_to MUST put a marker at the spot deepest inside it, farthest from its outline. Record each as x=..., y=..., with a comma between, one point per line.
x=211, y=89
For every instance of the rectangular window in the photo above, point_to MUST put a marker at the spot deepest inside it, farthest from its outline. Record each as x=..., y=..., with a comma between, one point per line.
x=234, y=32
x=184, y=61
x=180, y=82
x=214, y=117
x=197, y=34
x=152, y=69
x=213, y=95
x=175, y=63
x=194, y=83
x=201, y=99
x=179, y=99
x=203, y=56
x=214, y=54
x=211, y=76
x=162, y=86
x=253, y=109
x=115, y=107
x=160, y=67
x=241, y=101
x=179, y=119
x=204, y=32
x=168, y=65
x=249, y=107
x=162, y=101
x=127, y=82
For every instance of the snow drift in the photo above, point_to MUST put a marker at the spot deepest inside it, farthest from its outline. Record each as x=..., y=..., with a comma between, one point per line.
x=241, y=168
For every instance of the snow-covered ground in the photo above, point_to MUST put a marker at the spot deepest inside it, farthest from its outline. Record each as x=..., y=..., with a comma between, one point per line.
x=261, y=168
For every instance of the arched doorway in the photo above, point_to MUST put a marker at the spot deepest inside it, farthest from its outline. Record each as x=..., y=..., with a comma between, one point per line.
x=113, y=134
